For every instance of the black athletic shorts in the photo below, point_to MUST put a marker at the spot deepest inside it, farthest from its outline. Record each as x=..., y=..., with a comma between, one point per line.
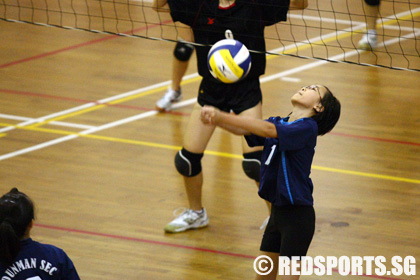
x=289, y=230
x=373, y=2
x=237, y=97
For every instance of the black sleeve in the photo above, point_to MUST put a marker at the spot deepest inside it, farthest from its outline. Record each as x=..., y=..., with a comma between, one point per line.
x=184, y=11
x=273, y=11
x=254, y=140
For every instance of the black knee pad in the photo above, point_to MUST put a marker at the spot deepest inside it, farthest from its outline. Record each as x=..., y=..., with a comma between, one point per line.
x=188, y=164
x=252, y=164
x=183, y=51
x=373, y=2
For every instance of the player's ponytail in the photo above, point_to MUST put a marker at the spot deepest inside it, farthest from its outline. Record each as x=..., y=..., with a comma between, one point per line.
x=16, y=214
x=328, y=118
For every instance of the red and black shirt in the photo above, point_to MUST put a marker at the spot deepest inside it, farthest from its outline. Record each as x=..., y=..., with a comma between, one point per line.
x=246, y=19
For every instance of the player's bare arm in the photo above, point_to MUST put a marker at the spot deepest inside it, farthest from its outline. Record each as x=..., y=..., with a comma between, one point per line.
x=238, y=124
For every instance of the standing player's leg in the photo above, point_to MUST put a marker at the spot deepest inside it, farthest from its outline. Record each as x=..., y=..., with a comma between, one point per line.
x=196, y=139
x=252, y=156
x=181, y=56
x=370, y=40
x=289, y=233
x=188, y=164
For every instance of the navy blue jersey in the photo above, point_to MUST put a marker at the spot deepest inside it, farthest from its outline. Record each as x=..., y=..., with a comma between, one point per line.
x=246, y=19
x=37, y=261
x=286, y=161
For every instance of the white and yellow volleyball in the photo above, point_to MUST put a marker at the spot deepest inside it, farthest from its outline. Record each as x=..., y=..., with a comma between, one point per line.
x=229, y=61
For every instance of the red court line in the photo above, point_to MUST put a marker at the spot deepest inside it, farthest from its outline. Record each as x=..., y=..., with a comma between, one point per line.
x=142, y=240
x=376, y=139
x=57, y=51
x=79, y=45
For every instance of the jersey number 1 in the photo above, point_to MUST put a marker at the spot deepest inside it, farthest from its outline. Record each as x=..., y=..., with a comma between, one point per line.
x=273, y=148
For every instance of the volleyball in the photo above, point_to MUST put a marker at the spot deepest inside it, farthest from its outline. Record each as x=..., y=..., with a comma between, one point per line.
x=229, y=61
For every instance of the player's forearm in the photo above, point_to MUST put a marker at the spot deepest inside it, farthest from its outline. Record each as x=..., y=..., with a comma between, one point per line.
x=246, y=125
x=233, y=129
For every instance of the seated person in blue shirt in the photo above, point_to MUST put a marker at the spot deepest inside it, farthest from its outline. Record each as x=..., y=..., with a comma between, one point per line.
x=289, y=147
x=20, y=256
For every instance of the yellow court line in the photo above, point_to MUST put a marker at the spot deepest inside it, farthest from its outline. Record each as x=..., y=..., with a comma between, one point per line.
x=96, y=107
x=100, y=106
x=365, y=174
x=410, y=16
x=208, y=152
x=191, y=80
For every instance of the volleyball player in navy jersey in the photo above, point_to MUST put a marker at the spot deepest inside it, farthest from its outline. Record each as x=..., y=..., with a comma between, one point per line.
x=210, y=21
x=289, y=147
x=22, y=258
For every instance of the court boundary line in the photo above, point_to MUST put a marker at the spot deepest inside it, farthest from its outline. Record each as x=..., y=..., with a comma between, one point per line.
x=65, y=124
x=77, y=100
x=105, y=101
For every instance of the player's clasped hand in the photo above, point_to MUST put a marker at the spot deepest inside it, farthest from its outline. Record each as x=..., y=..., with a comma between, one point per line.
x=209, y=115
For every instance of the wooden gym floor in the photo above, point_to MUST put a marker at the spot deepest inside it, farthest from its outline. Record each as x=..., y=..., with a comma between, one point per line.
x=79, y=134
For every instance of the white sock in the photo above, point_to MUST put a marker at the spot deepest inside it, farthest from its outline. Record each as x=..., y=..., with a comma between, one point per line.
x=199, y=212
x=372, y=32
